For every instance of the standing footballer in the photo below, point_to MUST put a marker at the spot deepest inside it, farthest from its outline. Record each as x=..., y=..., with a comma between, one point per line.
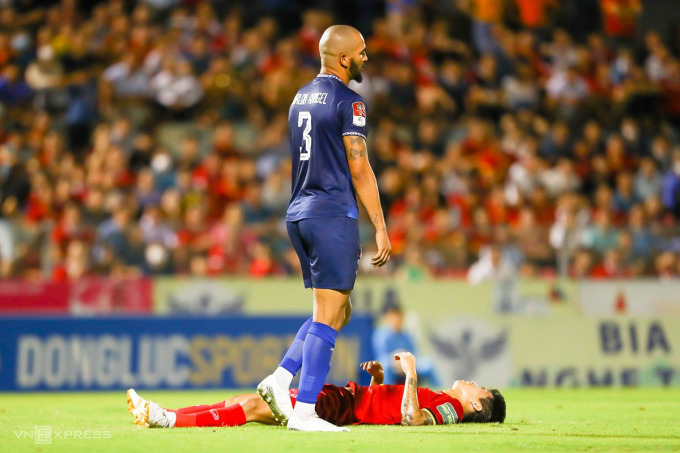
x=327, y=123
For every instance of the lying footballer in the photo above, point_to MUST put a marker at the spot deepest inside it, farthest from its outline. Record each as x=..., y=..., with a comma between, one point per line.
x=377, y=404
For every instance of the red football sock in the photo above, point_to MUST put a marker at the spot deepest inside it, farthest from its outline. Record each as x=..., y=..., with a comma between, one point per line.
x=226, y=416
x=198, y=408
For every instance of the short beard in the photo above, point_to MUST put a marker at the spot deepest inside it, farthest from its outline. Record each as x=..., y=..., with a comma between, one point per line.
x=355, y=71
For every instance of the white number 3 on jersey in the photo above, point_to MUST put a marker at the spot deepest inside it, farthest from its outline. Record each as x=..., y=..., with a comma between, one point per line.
x=305, y=116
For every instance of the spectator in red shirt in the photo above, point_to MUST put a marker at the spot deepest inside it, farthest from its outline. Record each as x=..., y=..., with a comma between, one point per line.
x=620, y=18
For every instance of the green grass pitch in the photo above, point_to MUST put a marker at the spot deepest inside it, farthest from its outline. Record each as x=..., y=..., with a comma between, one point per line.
x=538, y=420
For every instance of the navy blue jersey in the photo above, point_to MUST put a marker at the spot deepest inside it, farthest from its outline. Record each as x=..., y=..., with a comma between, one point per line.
x=322, y=112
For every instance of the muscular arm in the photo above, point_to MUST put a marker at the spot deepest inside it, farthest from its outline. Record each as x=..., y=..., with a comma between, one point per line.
x=366, y=187
x=411, y=413
x=364, y=179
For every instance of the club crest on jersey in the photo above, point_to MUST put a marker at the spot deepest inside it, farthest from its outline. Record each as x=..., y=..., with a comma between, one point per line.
x=359, y=116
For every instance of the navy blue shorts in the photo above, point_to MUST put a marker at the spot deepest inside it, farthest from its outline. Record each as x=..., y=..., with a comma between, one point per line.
x=329, y=251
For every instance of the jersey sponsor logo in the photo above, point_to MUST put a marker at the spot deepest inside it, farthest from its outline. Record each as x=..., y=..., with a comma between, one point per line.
x=359, y=114
x=214, y=413
x=448, y=413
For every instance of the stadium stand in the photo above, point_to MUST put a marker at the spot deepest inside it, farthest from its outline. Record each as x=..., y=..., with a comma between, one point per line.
x=150, y=138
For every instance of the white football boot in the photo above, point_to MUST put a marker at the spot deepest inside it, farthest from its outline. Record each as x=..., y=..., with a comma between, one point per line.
x=132, y=400
x=313, y=423
x=156, y=416
x=277, y=398
x=135, y=404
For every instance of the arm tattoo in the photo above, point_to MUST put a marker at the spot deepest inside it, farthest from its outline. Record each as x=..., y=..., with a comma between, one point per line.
x=410, y=409
x=411, y=414
x=356, y=148
x=375, y=217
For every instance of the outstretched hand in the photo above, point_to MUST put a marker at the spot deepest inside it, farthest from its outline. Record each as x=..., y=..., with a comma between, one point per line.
x=375, y=369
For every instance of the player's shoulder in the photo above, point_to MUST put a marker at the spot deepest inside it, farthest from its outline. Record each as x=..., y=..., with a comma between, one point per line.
x=346, y=93
x=351, y=103
x=308, y=86
x=341, y=91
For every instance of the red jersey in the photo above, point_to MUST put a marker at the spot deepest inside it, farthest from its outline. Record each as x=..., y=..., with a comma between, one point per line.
x=380, y=404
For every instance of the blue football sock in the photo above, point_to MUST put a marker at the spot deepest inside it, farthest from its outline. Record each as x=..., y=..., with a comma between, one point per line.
x=292, y=361
x=316, y=361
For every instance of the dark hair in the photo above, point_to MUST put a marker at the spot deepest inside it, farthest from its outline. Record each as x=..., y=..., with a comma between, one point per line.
x=493, y=410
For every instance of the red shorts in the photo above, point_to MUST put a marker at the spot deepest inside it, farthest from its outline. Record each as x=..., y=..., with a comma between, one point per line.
x=335, y=404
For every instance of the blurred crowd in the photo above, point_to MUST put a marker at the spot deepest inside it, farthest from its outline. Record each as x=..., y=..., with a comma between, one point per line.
x=509, y=138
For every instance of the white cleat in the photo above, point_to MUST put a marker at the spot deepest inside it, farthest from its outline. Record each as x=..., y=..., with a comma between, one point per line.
x=277, y=398
x=135, y=404
x=155, y=416
x=314, y=423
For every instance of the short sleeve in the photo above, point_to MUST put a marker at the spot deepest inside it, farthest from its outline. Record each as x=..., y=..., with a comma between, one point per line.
x=445, y=409
x=353, y=117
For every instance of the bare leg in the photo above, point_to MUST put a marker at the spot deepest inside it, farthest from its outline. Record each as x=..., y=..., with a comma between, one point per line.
x=348, y=312
x=332, y=307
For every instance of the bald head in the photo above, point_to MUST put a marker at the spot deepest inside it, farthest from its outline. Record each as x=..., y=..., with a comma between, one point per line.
x=342, y=50
x=339, y=39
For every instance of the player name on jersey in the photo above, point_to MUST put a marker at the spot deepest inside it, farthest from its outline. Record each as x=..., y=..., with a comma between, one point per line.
x=310, y=98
